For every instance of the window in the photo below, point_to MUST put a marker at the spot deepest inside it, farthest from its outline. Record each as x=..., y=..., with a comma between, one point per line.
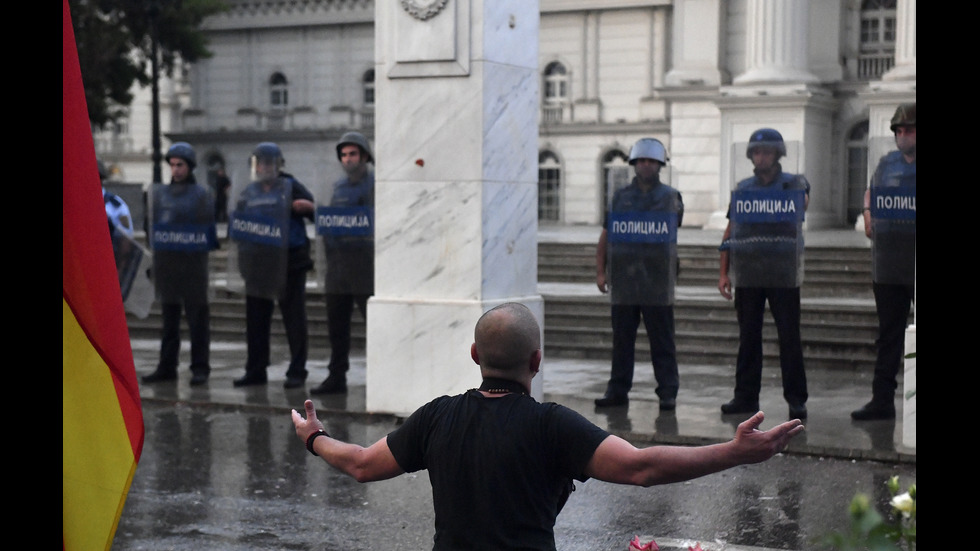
x=555, y=92
x=278, y=91
x=549, y=187
x=615, y=174
x=877, y=54
x=368, y=82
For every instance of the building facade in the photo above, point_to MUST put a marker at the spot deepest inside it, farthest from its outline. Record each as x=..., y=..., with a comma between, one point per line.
x=700, y=75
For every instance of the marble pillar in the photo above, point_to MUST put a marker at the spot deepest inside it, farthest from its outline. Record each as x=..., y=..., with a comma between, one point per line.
x=456, y=195
x=777, y=42
x=696, y=56
x=904, y=68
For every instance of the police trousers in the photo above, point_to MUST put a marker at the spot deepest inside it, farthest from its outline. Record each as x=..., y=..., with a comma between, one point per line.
x=750, y=306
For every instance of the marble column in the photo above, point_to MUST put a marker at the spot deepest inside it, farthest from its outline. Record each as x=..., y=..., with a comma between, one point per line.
x=904, y=68
x=456, y=195
x=696, y=46
x=777, y=42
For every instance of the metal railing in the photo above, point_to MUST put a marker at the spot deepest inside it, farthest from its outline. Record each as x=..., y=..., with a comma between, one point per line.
x=552, y=114
x=872, y=66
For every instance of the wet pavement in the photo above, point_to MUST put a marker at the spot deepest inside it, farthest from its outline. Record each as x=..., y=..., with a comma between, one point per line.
x=830, y=432
x=216, y=477
x=223, y=469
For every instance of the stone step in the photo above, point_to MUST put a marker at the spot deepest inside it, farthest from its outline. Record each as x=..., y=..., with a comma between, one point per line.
x=828, y=272
x=838, y=318
x=835, y=335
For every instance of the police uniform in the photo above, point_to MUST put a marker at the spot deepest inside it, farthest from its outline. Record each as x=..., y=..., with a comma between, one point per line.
x=291, y=299
x=641, y=280
x=893, y=255
x=182, y=235
x=118, y=212
x=770, y=269
x=349, y=272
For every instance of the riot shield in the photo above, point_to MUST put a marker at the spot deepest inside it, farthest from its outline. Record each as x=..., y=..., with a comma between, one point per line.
x=259, y=230
x=642, y=257
x=766, y=240
x=893, y=220
x=182, y=233
x=345, y=237
x=134, y=265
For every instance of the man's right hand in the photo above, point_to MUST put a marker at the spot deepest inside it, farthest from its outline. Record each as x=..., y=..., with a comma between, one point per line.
x=754, y=445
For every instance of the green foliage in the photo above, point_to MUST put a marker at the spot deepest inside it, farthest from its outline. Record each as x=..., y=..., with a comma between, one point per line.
x=870, y=531
x=115, y=44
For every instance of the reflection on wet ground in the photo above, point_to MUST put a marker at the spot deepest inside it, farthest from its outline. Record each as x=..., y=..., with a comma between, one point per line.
x=219, y=477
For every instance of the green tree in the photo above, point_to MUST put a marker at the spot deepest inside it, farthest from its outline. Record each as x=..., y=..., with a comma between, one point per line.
x=115, y=44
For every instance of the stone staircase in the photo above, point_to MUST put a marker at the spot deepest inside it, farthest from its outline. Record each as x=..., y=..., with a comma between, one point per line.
x=839, y=323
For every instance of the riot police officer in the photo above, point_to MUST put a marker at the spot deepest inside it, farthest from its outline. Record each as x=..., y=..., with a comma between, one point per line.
x=763, y=245
x=269, y=230
x=889, y=221
x=640, y=239
x=182, y=233
x=349, y=250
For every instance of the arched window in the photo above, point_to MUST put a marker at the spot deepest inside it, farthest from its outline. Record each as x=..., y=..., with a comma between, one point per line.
x=878, y=25
x=278, y=91
x=555, y=96
x=615, y=174
x=857, y=170
x=549, y=187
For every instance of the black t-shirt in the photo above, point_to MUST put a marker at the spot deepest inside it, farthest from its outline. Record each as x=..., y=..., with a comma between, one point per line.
x=500, y=468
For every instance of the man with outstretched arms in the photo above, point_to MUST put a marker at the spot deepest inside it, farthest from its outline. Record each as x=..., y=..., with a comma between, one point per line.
x=501, y=464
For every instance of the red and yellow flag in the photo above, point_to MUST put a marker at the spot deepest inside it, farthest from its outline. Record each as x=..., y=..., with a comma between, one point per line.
x=102, y=421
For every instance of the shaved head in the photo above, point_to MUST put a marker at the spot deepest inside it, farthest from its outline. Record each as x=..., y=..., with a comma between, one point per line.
x=507, y=337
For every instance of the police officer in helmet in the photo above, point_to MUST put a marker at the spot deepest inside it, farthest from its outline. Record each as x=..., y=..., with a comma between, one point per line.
x=182, y=233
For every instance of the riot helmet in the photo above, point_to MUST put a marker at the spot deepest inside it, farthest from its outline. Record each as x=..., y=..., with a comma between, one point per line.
x=266, y=161
x=904, y=116
x=648, y=148
x=182, y=150
x=358, y=139
x=766, y=137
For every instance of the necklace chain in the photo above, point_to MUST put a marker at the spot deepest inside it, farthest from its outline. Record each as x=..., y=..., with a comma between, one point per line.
x=502, y=386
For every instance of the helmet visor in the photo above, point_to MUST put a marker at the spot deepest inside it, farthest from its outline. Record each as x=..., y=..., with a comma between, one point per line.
x=264, y=167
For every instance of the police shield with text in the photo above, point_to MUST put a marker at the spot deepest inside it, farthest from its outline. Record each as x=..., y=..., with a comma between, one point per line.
x=182, y=233
x=762, y=259
x=268, y=227
x=636, y=262
x=259, y=227
x=889, y=217
x=767, y=224
x=345, y=224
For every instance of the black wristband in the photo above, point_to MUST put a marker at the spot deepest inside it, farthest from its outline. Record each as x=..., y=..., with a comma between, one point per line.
x=312, y=437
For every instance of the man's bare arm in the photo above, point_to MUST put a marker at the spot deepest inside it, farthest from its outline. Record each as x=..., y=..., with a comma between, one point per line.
x=618, y=461
x=363, y=464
